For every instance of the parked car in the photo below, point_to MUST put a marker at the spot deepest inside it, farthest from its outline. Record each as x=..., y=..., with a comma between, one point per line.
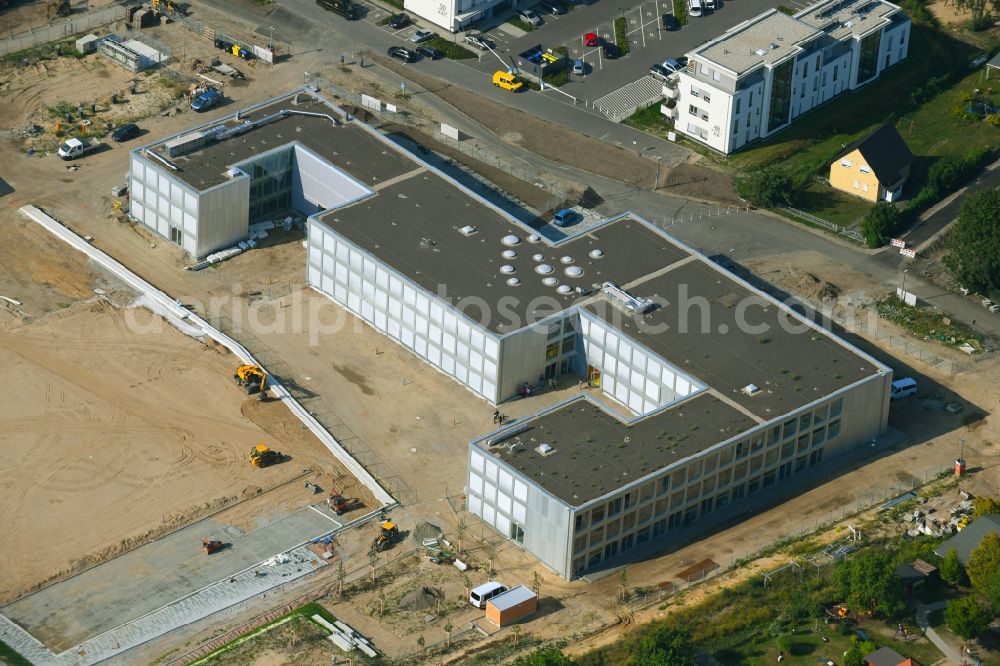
x=421, y=36
x=402, y=53
x=565, y=217
x=553, y=7
x=903, y=388
x=430, y=52
x=660, y=72
x=610, y=51
x=709, y=5
x=675, y=64
x=530, y=16
x=591, y=39
x=694, y=7
x=479, y=40
x=125, y=132
x=670, y=22
x=207, y=100
x=397, y=21
x=579, y=67
x=506, y=80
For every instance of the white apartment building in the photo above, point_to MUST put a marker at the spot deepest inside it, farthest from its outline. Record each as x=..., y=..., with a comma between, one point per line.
x=456, y=15
x=759, y=76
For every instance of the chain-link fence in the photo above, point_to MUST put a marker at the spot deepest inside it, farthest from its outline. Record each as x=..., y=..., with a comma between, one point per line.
x=365, y=112
x=61, y=29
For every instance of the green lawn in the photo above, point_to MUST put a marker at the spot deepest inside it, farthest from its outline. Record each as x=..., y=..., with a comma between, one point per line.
x=9, y=656
x=832, y=205
x=808, y=646
x=450, y=49
x=522, y=24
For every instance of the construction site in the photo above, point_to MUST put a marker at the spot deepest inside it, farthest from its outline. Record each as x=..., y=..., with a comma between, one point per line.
x=134, y=429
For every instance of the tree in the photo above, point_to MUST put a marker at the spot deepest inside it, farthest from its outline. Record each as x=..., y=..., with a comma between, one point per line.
x=967, y=618
x=980, y=10
x=491, y=546
x=341, y=577
x=869, y=580
x=855, y=656
x=983, y=568
x=982, y=506
x=974, y=242
x=881, y=221
x=783, y=643
x=447, y=630
x=460, y=529
x=765, y=188
x=544, y=657
x=664, y=646
x=951, y=568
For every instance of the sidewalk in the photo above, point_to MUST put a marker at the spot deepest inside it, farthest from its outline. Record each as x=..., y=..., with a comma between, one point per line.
x=923, y=611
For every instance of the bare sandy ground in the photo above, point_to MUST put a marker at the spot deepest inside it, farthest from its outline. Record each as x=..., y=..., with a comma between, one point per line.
x=111, y=436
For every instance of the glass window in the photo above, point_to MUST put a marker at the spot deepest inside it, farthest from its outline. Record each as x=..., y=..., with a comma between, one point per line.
x=789, y=428
x=628, y=520
x=800, y=463
x=819, y=436
x=787, y=450
x=552, y=350
x=615, y=506
x=803, y=444
x=836, y=407
x=739, y=471
x=770, y=457
x=678, y=478
x=769, y=478
x=725, y=476
x=755, y=463
x=710, y=462
x=833, y=429
x=725, y=456
x=662, y=485
x=805, y=421
x=568, y=345
x=753, y=485
x=645, y=492
x=756, y=443
x=597, y=515
x=645, y=513
x=694, y=470
x=820, y=414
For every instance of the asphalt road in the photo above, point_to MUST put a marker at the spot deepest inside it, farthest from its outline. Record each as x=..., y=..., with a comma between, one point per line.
x=947, y=213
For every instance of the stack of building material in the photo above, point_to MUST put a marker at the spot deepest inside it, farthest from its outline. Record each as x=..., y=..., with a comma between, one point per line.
x=345, y=637
x=222, y=255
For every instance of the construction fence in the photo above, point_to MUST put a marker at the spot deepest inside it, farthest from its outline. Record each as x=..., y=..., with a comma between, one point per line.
x=61, y=29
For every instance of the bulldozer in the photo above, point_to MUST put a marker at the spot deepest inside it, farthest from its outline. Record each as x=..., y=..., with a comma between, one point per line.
x=388, y=535
x=57, y=8
x=253, y=379
x=261, y=456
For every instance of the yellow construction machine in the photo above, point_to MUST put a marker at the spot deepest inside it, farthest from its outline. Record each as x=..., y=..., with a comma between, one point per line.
x=253, y=379
x=262, y=456
x=388, y=535
x=57, y=8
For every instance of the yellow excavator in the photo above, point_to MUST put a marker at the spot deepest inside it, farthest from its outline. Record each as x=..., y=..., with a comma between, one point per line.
x=262, y=456
x=56, y=8
x=388, y=534
x=253, y=379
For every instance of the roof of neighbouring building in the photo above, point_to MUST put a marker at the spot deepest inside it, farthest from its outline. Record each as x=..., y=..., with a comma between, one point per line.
x=886, y=656
x=511, y=598
x=594, y=452
x=841, y=19
x=764, y=39
x=966, y=541
x=885, y=152
x=792, y=367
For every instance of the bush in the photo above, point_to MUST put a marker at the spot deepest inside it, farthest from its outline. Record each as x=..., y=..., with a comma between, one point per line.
x=945, y=176
x=765, y=188
x=450, y=49
x=967, y=618
x=681, y=12
x=621, y=36
x=880, y=223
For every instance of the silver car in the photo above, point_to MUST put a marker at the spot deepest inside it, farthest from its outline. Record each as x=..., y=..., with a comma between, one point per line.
x=421, y=36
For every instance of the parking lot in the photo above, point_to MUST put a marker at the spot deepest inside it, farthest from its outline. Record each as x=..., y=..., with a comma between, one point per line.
x=648, y=42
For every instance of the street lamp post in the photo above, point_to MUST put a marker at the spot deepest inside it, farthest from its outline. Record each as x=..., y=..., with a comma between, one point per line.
x=903, y=289
x=271, y=43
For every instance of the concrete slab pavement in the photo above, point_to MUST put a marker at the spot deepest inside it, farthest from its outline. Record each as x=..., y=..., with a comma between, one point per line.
x=154, y=575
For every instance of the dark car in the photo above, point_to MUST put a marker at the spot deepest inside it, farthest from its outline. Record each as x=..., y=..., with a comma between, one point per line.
x=397, y=21
x=207, y=100
x=610, y=51
x=125, y=132
x=670, y=22
x=553, y=7
x=660, y=72
x=430, y=52
x=402, y=53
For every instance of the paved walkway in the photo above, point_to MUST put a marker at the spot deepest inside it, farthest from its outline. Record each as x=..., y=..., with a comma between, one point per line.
x=923, y=611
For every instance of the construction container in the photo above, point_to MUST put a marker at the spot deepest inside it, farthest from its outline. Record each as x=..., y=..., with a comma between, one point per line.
x=511, y=606
x=88, y=43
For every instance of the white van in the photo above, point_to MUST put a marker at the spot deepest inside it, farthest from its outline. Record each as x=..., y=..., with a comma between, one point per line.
x=902, y=388
x=480, y=595
x=710, y=5
x=694, y=7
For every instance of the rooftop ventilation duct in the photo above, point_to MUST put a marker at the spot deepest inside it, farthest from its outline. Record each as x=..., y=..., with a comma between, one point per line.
x=626, y=301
